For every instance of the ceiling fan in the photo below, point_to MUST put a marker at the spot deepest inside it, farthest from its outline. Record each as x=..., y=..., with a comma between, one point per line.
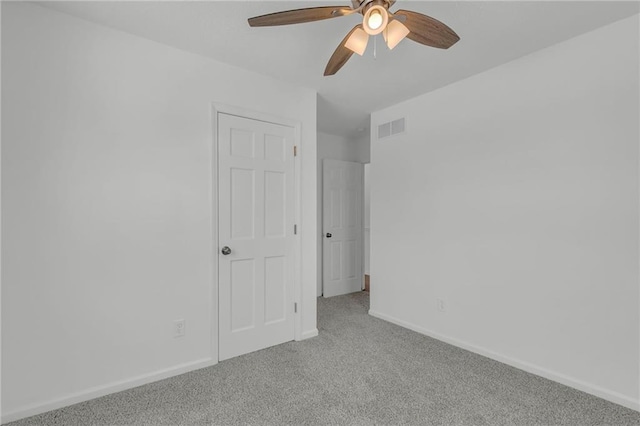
x=376, y=19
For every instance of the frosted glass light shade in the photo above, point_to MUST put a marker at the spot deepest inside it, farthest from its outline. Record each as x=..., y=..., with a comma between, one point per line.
x=395, y=32
x=357, y=42
x=375, y=20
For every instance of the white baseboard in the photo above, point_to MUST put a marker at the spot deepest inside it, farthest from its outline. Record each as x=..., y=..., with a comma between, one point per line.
x=589, y=388
x=98, y=391
x=309, y=334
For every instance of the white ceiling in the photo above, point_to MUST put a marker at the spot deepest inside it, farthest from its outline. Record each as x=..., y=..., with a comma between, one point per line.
x=491, y=33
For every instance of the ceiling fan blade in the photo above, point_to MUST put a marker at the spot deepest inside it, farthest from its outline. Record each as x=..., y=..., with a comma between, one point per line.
x=299, y=16
x=341, y=55
x=427, y=30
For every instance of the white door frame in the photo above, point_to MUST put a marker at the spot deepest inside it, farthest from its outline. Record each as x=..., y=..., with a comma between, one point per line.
x=219, y=108
x=323, y=230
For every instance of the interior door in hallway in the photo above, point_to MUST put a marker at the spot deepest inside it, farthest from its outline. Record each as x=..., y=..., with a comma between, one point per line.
x=255, y=234
x=342, y=248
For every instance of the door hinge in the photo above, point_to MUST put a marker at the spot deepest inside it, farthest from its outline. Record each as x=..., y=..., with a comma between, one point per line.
x=295, y=308
x=295, y=151
x=295, y=229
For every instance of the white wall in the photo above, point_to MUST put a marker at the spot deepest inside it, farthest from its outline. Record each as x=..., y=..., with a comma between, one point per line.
x=336, y=148
x=107, y=183
x=343, y=148
x=514, y=197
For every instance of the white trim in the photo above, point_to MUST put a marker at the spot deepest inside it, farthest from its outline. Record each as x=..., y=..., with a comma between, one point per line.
x=297, y=274
x=0, y=234
x=98, y=391
x=255, y=115
x=638, y=239
x=218, y=108
x=308, y=334
x=214, y=309
x=322, y=227
x=362, y=229
x=589, y=388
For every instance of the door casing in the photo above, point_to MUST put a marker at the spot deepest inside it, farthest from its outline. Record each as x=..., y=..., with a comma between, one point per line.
x=219, y=108
x=360, y=270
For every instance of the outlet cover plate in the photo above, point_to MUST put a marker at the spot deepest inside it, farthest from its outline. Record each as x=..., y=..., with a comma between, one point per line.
x=179, y=328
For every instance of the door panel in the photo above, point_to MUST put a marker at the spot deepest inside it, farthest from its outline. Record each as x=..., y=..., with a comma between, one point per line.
x=275, y=291
x=242, y=188
x=343, y=191
x=275, y=204
x=243, y=294
x=255, y=220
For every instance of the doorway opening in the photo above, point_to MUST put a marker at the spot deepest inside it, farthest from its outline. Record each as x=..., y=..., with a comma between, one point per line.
x=343, y=215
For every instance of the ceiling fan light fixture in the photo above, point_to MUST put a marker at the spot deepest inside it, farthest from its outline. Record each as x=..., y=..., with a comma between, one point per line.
x=376, y=17
x=394, y=33
x=375, y=20
x=357, y=42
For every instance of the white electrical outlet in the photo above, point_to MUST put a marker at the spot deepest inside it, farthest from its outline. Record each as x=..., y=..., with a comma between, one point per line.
x=178, y=328
x=442, y=304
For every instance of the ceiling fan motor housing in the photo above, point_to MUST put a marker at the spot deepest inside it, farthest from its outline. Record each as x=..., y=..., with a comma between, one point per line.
x=368, y=4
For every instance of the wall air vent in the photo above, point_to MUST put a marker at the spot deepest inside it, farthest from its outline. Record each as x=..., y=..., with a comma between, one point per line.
x=391, y=128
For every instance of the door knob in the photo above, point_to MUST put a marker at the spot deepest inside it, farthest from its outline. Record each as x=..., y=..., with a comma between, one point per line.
x=329, y=235
x=226, y=250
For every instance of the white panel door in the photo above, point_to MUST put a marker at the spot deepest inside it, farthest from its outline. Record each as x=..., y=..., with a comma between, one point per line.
x=255, y=234
x=342, y=251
